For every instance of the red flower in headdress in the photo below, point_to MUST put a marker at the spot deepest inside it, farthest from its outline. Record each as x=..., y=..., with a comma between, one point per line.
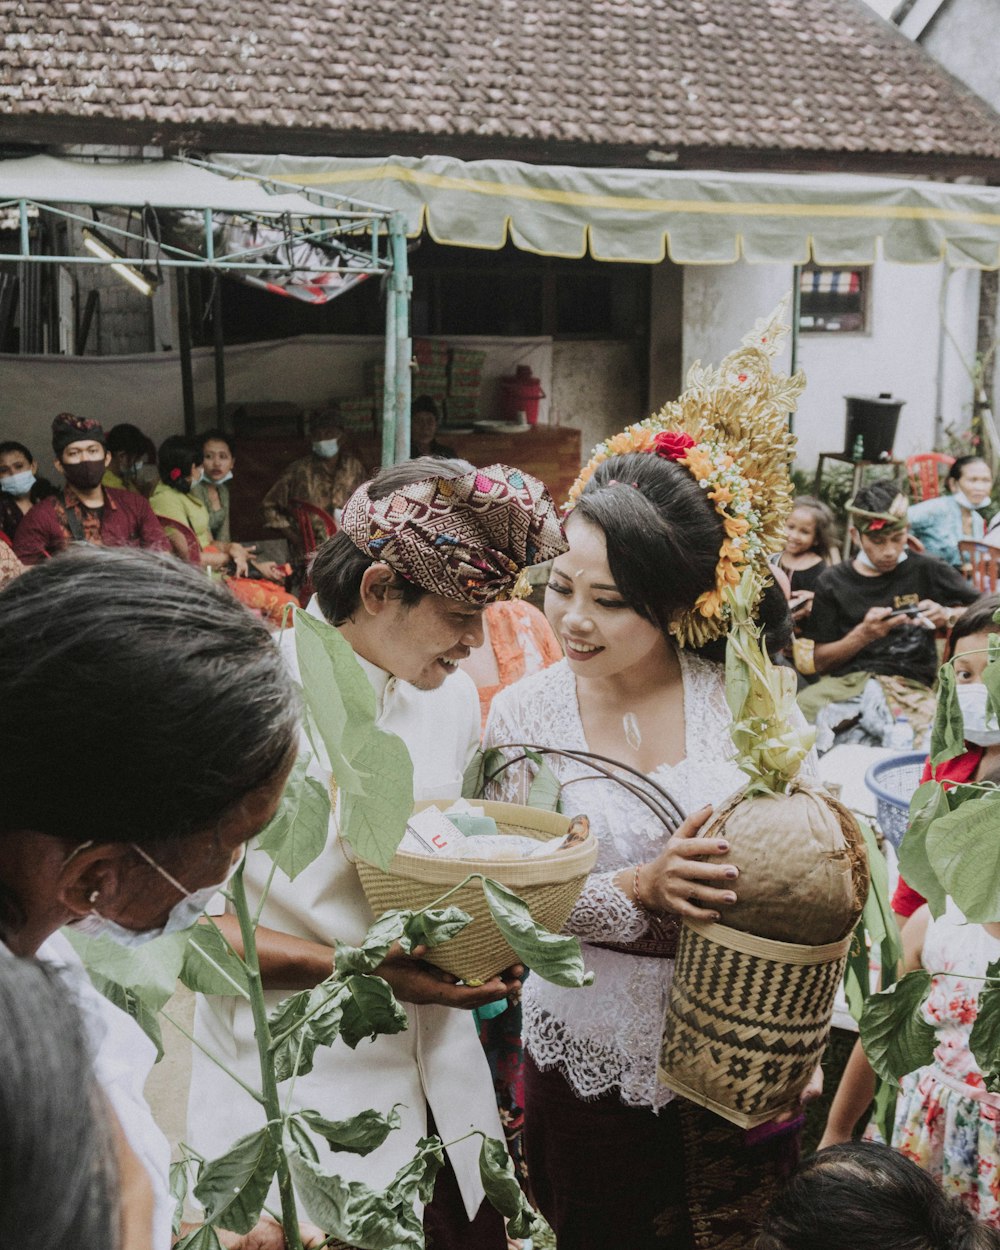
x=672, y=445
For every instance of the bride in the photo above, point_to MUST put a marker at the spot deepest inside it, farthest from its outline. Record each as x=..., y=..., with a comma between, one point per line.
x=613, y=1158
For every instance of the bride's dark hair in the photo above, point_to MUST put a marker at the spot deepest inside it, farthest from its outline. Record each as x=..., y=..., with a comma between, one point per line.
x=664, y=537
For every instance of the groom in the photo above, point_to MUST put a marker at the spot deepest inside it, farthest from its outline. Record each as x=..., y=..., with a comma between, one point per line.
x=424, y=548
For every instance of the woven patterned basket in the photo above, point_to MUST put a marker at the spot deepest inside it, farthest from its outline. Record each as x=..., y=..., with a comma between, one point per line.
x=747, y=1020
x=549, y=887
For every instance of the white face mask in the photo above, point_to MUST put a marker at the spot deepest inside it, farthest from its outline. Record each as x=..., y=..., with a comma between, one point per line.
x=963, y=501
x=217, y=481
x=184, y=913
x=972, y=699
x=862, y=559
x=326, y=448
x=18, y=484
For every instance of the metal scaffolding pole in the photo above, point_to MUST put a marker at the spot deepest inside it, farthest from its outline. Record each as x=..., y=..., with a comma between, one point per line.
x=399, y=294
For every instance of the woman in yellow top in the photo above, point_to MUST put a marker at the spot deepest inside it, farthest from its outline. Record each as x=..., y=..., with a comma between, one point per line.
x=180, y=464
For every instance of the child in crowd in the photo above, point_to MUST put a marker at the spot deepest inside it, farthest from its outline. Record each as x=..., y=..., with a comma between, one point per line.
x=810, y=546
x=861, y=1196
x=967, y=649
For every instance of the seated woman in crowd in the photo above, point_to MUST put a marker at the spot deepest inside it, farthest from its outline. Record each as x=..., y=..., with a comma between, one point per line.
x=180, y=466
x=218, y=463
x=20, y=487
x=941, y=523
x=133, y=460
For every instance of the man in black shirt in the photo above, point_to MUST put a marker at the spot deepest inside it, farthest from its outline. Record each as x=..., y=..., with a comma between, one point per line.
x=876, y=615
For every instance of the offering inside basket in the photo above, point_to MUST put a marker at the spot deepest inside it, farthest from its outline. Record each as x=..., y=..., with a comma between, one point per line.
x=548, y=883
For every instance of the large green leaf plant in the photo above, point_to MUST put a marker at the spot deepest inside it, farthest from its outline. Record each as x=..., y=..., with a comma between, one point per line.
x=951, y=848
x=374, y=776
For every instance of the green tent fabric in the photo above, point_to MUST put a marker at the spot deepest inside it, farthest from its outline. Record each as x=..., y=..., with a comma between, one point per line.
x=693, y=217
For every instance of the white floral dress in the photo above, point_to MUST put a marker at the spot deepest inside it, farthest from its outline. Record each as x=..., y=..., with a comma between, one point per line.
x=607, y=1035
x=950, y=1133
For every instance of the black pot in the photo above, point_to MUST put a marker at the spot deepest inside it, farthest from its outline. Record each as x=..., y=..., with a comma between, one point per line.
x=873, y=420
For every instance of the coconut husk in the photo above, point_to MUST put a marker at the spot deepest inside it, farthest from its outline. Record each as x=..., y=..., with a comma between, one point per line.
x=803, y=865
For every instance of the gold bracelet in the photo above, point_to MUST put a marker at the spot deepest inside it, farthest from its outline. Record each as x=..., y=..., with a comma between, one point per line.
x=636, y=894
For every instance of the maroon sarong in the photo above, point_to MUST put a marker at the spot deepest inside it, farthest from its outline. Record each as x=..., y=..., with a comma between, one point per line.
x=606, y=1175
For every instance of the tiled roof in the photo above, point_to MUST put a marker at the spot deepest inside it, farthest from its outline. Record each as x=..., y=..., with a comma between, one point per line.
x=809, y=82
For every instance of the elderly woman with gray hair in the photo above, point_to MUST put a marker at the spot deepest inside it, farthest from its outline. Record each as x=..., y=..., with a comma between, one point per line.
x=130, y=685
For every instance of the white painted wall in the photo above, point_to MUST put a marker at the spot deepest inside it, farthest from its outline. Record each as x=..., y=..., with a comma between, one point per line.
x=901, y=354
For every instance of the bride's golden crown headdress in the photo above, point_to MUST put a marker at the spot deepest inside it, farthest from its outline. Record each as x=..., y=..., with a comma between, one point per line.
x=730, y=430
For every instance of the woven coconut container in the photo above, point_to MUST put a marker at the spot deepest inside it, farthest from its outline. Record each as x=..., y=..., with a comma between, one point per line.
x=751, y=1000
x=549, y=885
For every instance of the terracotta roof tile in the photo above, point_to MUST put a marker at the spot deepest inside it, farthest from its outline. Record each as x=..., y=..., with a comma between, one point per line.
x=747, y=76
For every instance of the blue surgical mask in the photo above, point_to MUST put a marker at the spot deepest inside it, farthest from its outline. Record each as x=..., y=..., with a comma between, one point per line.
x=963, y=501
x=184, y=913
x=326, y=448
x=18, y=484
x=218, y=481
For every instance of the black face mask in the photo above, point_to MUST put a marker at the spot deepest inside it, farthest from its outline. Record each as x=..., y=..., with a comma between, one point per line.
x=84, y=474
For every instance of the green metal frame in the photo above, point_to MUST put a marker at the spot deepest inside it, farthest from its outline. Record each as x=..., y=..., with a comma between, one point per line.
x=372, y=240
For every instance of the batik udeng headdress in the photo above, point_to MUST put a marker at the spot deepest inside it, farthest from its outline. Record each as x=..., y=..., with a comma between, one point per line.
x=729, y=429
x=467, y=537
x=894, y=518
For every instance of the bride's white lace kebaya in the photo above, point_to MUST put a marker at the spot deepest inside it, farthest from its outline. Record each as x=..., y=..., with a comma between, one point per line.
x=607, y=1036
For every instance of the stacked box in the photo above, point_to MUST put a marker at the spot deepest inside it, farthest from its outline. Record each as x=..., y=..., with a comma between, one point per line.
x=465, y=375
x=461, y=409
x=357, y=413
x=430, y=352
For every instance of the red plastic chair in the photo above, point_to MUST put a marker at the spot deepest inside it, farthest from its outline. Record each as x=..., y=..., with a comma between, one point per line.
x=981, y=564
x=304, y=512
x=925, y=472
x=190, y=539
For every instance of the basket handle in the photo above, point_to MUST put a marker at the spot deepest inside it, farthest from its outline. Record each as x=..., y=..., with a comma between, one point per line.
x=664, y=806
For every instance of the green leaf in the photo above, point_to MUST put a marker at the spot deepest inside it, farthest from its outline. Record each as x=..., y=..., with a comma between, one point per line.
x=431, y=928
x=895, y=1036
x=493, y=760
x=948, y=731
x=373, y=822
x=984, y=1041
x=206, y=948
x=301, y=1139
x=233, y=1188
x=474, y=776
x=545, y=786
x=991, y=679
x=310, y=1015
x=369, y=1008
x=929, y=804
x=857, y=977
x=884, y=1110
x=178, y=1191
x=350, y=1211
x=388, y=928
x=964, y=851
x=415, y=1180
x=359, y=1135
x=877, y=915
x=328, y=684
x=503, y=1191
x=150, y=970
x=203, y=1238
x=297, y=832
x=129, y=1001
x=553, y=956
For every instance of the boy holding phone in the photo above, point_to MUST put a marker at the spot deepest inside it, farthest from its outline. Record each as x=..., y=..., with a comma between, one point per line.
x=876, y=615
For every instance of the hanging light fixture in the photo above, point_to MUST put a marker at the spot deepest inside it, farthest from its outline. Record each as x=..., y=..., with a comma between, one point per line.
x=120, y=265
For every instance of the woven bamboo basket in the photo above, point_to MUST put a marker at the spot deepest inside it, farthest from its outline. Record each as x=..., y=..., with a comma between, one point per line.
x=549, y=886
x=747, y=1020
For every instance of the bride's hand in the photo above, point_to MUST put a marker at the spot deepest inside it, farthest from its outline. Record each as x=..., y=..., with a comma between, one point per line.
x=677, y=877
